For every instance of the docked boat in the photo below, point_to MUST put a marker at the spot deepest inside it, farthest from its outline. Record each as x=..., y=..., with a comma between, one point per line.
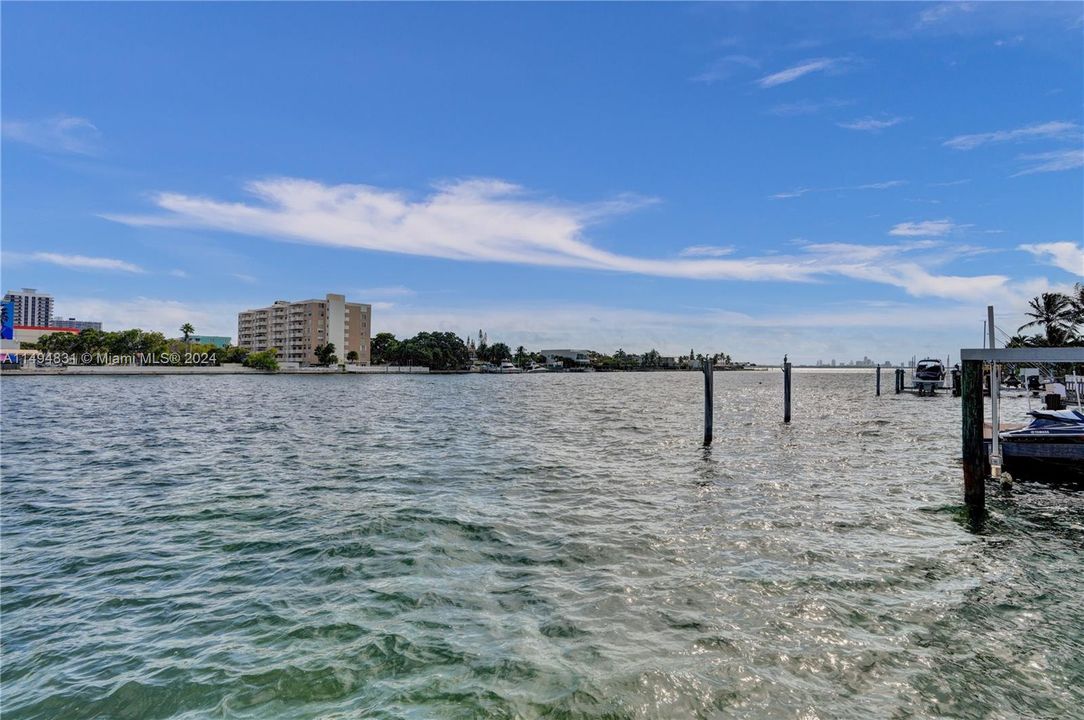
x=536, y=368
x=928, y=376
x=507, y=368
x=1050, y=447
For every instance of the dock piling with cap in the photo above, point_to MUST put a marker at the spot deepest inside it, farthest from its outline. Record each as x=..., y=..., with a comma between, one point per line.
x=786, y=391
x=709, y=410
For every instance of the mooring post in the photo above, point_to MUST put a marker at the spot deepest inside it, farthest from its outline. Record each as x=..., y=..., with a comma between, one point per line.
x=971, y=432
x=878, y=381
x=786, y=392
x=995, y=412
x=709, y=413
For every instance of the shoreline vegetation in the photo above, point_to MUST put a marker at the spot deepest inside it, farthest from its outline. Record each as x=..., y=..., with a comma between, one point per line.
x=136, y=351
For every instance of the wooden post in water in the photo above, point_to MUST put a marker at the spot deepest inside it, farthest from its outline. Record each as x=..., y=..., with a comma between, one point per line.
x=709, y=412
x=973, y=460
x=786, y=392
x=878, y=381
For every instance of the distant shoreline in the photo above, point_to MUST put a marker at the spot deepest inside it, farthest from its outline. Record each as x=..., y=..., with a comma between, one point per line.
x=157, y=371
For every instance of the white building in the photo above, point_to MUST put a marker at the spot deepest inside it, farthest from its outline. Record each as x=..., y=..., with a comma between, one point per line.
x=32, y=309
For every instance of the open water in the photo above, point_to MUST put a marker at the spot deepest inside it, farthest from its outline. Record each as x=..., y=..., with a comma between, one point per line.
x=531, y=546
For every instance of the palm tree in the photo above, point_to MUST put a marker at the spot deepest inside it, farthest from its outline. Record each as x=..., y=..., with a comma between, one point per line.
x=1076, y=299
x=187, y=330
x=1053, y=311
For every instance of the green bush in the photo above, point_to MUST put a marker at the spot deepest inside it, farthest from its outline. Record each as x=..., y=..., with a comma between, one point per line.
x=265, y=360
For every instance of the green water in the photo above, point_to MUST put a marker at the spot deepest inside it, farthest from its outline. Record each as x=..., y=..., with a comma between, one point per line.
x=555, y=546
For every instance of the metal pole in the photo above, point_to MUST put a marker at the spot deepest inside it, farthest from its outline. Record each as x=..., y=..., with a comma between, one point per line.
x=786, y=392
x=995, y=410
x=878, y=381
x=709, y=381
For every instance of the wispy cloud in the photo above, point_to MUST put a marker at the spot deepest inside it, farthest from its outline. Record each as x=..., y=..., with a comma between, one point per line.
x=1055, y=129
x=385, y=292
x=494, y=221
x=799, y=192
x=1065, y=255
x=800, y=70
x=807, y=107
x=707, y=251
x=245, y=278
x=58, y=134
x=943, y=11
x=871, y=124
x=724, y=68
x=75, y=262
x=951, y=183
x=925, y=228
x=1054, y=161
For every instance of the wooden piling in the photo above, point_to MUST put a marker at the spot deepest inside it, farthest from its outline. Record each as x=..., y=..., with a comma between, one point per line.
x=878, y=381
x=974, y=461
x=709, y=410
x=786, y=392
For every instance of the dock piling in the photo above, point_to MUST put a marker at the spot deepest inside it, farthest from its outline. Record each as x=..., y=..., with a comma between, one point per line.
x=786, y=392
x=878, y=381
x=995, y=411
x=973, y=461
x=709, y=410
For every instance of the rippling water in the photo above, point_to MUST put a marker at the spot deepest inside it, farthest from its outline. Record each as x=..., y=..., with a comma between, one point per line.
x=520, y=546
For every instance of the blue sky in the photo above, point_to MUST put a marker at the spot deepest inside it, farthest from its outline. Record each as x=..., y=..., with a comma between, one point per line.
x=828, y=180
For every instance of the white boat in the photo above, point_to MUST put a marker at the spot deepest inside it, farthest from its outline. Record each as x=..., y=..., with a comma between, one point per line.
x=928, y=376
x=536, y=368
x=508, y=368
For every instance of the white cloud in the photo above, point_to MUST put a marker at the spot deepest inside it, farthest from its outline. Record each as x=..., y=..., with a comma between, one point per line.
x=807, y=107
x=796, y=71
x=178, y=273
x=157, y=314
x=393, y=291
x=707, y=251
x=1047, y=130
x=493, y=221
x=841, y=188
x=1065, y=255
x=943, y=11
x=78, y=262
x=725, y=67
x=871, y=124
x=926, y=228
x=61, y=133
x=1054, y=161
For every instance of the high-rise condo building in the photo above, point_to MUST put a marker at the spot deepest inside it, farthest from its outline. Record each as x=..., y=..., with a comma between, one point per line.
x=295, y=329
x=31, y=307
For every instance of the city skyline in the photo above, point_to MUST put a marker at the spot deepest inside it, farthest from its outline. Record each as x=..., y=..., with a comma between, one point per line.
x=822, y=180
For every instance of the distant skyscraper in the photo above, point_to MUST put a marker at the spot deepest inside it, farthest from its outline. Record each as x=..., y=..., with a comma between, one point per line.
x=31, y=307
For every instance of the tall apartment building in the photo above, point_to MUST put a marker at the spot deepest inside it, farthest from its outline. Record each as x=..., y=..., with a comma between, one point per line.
x=31, y=307
x=294, y=329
